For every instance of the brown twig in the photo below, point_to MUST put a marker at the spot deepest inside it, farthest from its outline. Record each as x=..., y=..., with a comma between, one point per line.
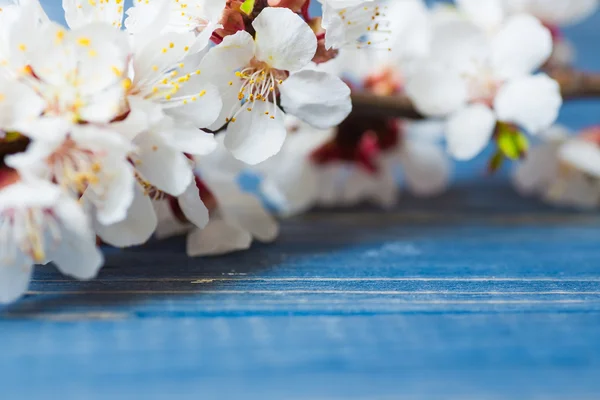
x=577, y=84
x=574, y=85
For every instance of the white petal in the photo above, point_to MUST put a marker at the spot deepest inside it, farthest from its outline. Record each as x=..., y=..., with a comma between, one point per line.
x=487, y=14
x=158, y=56
x=460, y=46
x=436, y=91
x=147, y=20
x=531, y=102
x=426, y=168
x=575, y=190
x=538, y=170
x=583, y=155
x=291, y=188
x=30, y=193
x=198, y=101
x=160, y=164
x=77, y=254
x=380, y=188
x=168, y=224
x=318, y=98
x=136, y=229
x=191, y=140
x=234, y=52
x=521, y=47
x=192, y=206
x=247, y=212
x=118, y=196
x=217, y=238
x=14, y=280
x=256, y=136
x=243, y=210
x=555, y=12
x=410, y=24
x=143, y=114
x=81, y=12
x=469, y=131
x=283, y=39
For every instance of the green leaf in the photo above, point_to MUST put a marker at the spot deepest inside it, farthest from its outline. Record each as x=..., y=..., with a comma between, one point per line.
x=523, y=143
x=248, y=6
x=512, y=143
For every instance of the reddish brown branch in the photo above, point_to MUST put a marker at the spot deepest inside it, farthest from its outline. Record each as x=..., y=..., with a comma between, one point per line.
x=574, y=85
x=577, y=84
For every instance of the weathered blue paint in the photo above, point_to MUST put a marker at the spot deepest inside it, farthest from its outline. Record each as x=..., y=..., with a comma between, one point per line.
x=479, y=294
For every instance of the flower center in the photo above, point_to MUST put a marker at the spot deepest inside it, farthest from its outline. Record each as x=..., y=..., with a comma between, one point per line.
x=259, y=82
x=75, y=169
x=482, y=87
x=27, y=230
x=149, y=189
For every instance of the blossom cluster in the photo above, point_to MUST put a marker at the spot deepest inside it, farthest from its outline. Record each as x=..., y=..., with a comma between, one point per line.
x=131, y=123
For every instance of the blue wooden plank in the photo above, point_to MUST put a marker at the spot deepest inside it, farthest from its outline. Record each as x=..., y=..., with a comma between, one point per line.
x=379, y=310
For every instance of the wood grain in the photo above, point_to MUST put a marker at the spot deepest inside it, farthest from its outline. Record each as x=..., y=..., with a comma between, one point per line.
x=479, y=294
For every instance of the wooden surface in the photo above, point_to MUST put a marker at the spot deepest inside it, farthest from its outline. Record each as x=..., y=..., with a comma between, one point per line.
x=477, y=295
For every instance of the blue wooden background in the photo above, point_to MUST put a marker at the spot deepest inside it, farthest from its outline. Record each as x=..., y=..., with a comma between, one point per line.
x=479, y=294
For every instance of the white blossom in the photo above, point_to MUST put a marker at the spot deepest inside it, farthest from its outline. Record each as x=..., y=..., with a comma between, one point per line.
x=475, y=81
x=39, y=224
x=252, y=72
x=564, y=170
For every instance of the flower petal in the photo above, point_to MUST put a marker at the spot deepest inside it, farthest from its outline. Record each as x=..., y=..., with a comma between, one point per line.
x=163, y=166
x=488, y=13
x=583, y=155
x=216, y=239
x=243, y=210
x=426, y=168
x=318, y=98
x=469, y=131
x=14, y=279
x=82, y=12
x=136, y=229
x=538, y=170
x=283, y=39
x=555, y=12
x=193, y=207
x=520, y=47
x=532, y=102
x=460, y=46
x=256, y=135
x=77, y=254
x=191, y=140
x=436, y=91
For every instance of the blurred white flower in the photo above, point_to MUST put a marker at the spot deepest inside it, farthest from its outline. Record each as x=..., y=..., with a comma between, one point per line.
x=564, y=170
x=554, y=12
x=39, y=224
x=475, y=81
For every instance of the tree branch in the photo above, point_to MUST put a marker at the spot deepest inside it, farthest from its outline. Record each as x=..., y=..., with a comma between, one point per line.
x=574, y=85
